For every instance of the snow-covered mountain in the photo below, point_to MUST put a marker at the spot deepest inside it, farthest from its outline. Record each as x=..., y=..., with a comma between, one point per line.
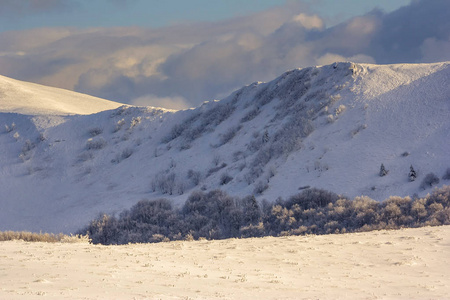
x=35, y=99
x=329, y=127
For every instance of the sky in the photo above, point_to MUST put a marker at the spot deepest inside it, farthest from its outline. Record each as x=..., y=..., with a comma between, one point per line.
x=179, y=53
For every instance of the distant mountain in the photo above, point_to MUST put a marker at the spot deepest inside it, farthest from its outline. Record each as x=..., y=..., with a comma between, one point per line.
x=34, y=99
x=328, y=127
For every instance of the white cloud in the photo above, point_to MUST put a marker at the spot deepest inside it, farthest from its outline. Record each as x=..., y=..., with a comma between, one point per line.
x=176, y=102
x=204, y=61
x=309, y=22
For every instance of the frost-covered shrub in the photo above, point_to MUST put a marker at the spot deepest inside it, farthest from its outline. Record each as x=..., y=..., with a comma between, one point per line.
x=216, y=215
x=405, y=154
x=119, y=125
x=429, y=180
x=251, y=230
x=96, y=144
x=124, y=154
x=16, y=136
x=26, y=149
x=225, y=179
x=95, y=131
x=164, y=182
x=85, y=156
x=216, y=160
x=341, y=108
x=202, y=122
x=330, y=118
x=215, y=169
x=447, y=174
x=127, y=152
x=358, y=129
x=135, y=121
x=289, y=137
x=312, y=198
x=255, y=144
x=260, y=187
x=9, y=128
x=251, y=115
x=238, y=155
x=194, y=176
x=229, y=134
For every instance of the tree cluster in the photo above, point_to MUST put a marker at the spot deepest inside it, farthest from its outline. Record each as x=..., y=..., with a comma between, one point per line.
x=216, y=215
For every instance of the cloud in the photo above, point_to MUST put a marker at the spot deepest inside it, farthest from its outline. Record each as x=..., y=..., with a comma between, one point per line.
x=330, y=58
x=309, y=22
x=184, y=65
x=25, y=7
x=175, y=102
x=435, y=50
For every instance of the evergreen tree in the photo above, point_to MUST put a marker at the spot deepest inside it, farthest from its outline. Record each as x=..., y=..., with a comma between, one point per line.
x=412, y=174
x=383, y=171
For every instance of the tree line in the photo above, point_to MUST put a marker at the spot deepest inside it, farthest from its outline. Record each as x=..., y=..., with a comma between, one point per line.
x=217, y=215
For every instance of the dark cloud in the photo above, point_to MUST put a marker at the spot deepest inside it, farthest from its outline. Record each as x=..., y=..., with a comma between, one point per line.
x=186, y=65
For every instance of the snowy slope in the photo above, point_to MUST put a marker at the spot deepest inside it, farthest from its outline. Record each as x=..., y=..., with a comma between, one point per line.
x=34, y=99
x=329, y=127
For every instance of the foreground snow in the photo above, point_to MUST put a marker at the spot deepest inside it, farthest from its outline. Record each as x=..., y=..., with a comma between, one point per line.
x=402, y=264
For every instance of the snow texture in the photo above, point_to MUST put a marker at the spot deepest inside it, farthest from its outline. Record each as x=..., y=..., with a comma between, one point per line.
x=397, y=264
x=68, y=157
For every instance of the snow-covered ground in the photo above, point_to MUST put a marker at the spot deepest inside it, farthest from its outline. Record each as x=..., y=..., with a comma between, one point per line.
x=401, y=264
x=35, y=99
x=329, y=127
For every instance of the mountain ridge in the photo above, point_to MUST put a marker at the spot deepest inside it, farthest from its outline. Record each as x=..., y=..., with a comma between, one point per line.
x=20, y=97
x=328, y=127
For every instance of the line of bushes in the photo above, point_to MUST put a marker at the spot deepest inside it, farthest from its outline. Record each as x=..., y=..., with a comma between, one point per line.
x=42, y=237
x=216, y=215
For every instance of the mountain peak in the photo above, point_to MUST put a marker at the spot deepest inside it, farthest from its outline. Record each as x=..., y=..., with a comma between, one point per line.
x=328, y=127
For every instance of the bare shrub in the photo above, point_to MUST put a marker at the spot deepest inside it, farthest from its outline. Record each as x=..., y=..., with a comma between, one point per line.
x=447, y=174
x=96, y=144
x=341, y=108
x=252, y=230
x=251, y=115
x=124, y=154
x=119, y=125
x=164, y=182
x=42, y=237
x=216, y=159
x=429, y=180
x=225, y=179
x=260, y=187
x=194, y=176
x=358, y=129
x=229, y=135
x=95, y=131
x=330, y=118
x=135, y=121
x=216, y=215
x=26, y=149
x=9, y=128
x=215, y=169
